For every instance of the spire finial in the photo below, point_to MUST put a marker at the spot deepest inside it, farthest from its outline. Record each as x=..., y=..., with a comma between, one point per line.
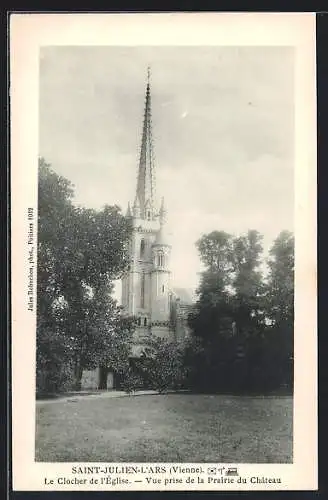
x=148, y=75
x=162, y=212
x=136, y=207
x=128, y=212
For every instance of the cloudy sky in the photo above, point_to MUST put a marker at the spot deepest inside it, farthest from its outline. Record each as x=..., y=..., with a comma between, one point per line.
x=223, y=135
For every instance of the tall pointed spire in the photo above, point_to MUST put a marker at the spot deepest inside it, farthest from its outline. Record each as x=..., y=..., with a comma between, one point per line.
x=162, y=213
x=128, y=212
x=146, y=174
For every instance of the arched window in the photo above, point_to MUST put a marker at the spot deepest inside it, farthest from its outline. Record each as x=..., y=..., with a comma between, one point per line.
x=139, y=321
x=148, y=214
x=160, y=259
x=142, y=247
x=142, y=291
x=145, y=322
x=163, y=288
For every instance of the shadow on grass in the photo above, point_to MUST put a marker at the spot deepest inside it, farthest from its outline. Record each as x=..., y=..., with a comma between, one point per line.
x=59, y=395
x=282, y=392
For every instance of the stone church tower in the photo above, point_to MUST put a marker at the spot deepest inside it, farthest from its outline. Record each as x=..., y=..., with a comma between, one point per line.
x=146, y=287
x=146, y=292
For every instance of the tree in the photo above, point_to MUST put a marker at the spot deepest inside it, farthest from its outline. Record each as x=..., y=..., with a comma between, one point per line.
x=215, y=252
x=248, y=282
x=231, y=288
x=280, y=310
x=212, y=318
x=212, y=315
x=280, y=283
x=239, y=350
x=80, y=252
x=94, y=255
x=55, y=195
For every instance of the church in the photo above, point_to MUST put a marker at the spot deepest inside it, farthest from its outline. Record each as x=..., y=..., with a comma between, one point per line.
x=147, y=294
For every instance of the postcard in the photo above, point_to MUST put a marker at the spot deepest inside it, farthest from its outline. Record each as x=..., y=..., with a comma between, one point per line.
x=163, y=180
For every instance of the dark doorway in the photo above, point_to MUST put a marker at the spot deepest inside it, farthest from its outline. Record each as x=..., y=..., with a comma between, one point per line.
x=103, y=378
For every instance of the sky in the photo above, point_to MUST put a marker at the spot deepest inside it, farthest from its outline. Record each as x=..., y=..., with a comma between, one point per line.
x=222, y=126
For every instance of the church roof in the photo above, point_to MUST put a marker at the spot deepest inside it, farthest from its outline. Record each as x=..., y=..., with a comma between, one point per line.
x=184, y=294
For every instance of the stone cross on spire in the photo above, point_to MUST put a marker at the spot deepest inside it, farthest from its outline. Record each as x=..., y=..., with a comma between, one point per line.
x=145, y=195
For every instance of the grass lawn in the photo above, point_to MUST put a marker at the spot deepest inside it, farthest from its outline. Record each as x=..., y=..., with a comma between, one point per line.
x=166, y=428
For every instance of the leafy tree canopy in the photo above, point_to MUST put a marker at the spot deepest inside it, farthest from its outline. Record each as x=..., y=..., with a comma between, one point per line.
x=80, y=253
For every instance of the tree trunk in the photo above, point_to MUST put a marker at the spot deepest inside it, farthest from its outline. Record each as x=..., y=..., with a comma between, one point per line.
x=77, y=375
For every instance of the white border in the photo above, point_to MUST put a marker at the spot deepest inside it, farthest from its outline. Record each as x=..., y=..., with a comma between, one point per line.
x=30, y=31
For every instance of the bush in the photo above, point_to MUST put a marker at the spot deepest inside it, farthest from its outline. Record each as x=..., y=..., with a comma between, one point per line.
x=131, y=381
x=54, y=371
x=160, y=367
x=53, y=378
